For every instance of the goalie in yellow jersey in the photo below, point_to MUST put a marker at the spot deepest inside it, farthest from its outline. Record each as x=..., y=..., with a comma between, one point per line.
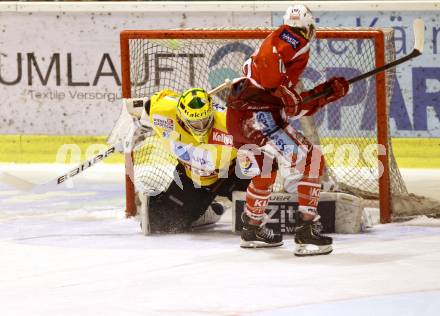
x=194, y=132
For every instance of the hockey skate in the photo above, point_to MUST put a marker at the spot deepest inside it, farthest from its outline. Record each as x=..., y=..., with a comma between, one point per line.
x=253, y=236
x=309, y=241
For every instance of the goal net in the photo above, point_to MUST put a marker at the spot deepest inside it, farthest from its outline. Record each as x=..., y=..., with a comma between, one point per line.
x=353, y=132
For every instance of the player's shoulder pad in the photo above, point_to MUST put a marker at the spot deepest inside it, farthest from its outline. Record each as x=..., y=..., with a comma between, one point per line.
x=296, y=31
x=165, y=93
x=164, y=101
x=163, y=109
x=293, y=36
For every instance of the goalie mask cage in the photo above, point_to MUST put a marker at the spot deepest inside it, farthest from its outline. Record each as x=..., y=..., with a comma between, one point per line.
x=152, y=60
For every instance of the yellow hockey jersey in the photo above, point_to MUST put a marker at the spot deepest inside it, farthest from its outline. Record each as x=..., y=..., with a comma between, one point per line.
x=204, y=162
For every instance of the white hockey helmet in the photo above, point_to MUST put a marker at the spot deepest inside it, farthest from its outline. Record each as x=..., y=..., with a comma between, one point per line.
x=299, y=15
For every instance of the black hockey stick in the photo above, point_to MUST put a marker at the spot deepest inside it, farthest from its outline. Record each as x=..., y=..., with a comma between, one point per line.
x=419, y=39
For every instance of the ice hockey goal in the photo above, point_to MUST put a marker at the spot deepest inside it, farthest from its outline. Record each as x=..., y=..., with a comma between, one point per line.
x=354, y=130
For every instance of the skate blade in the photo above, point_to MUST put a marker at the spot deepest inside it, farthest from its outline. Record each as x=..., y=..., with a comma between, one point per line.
x=305, y=250
x=258, y=244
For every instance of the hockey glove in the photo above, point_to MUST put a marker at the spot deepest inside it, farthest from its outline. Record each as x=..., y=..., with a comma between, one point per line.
x=339, y=88
x=335, y=88
x=290, y=99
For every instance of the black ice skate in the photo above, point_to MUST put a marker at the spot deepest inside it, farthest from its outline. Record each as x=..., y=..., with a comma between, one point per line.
x=309, y=241
x=253, y=236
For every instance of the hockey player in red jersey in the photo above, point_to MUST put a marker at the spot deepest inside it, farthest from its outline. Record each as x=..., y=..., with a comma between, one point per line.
x=259, y=105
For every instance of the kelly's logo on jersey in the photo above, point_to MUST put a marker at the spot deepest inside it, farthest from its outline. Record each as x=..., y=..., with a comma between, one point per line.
x=289, y=38
x=218, y=137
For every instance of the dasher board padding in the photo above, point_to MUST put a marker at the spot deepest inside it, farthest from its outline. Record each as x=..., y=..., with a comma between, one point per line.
x=340, y=212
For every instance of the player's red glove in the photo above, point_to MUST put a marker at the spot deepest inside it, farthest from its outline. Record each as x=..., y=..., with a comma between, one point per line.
x=290, y=98
x=337, y=87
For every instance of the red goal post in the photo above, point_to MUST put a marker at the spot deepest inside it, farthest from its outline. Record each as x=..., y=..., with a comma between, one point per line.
x=381, y=47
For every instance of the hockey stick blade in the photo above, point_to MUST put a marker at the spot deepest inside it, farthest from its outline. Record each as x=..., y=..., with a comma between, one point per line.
x=419, y=35
x=419, y=40
x=16, y=182
x=24, y=185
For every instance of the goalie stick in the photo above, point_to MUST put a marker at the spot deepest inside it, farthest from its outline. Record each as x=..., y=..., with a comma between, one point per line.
x=419, y=39
x=24, y=185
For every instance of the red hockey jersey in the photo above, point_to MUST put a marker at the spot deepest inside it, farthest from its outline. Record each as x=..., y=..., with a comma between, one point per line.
x=280, y=60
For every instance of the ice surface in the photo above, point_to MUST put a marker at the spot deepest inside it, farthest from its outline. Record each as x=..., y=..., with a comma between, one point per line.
x=72, y=252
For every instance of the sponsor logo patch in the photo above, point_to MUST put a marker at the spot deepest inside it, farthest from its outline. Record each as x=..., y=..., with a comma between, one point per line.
x=181, y=152
x=197, y=157
x=283, y=143
x=218, y=137
x=266, y=122
x=281, y=214
x=244, y=162
x=200, y=160
x=289, y=38
x=166, y=134
x=248, y=164
x=202, y=173
x=163, y=122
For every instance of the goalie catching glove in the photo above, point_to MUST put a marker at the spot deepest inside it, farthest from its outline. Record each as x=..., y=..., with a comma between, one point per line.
x=337, y=87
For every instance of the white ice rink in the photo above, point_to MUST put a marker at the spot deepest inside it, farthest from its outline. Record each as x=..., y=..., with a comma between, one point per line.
x=72, y=252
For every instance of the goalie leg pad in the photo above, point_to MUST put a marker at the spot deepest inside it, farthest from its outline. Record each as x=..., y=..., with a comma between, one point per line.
x=175, y=210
